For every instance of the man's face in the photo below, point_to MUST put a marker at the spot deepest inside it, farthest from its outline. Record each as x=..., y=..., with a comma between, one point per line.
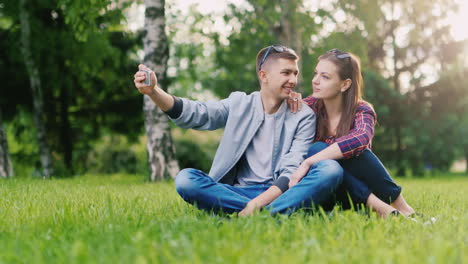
x=280, y=77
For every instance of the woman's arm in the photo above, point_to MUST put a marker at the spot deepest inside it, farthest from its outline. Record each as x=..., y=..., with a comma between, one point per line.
x=360, y=136
x=350, y=145
x=331, y=152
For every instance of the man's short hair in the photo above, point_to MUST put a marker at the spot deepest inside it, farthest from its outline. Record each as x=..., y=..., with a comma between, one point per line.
x=274, y=52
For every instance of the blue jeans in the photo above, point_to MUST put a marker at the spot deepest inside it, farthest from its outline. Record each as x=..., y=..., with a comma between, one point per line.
x=197, y=188
x=363, y=175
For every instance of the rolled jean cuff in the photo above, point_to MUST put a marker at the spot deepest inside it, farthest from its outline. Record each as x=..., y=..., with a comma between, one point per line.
x=362, y=198
x=395, y=193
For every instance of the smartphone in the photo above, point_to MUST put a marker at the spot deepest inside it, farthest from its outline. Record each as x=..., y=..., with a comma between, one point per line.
x=147, y=81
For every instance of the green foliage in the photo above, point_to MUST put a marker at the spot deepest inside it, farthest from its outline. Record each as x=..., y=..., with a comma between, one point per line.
x=122, y=219
x=85, y=83
x=196, y=149
x=401, y=38
x=384, y=99
x=113, y=154
x=116, y=154
x=87, y=17
x=434, y=121
x=22, y=144
x=86, y=59
x=232, y=55
x=192, y=155
x=440, y=120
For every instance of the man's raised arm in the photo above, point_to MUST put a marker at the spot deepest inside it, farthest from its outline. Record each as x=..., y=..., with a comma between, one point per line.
x=185, y=113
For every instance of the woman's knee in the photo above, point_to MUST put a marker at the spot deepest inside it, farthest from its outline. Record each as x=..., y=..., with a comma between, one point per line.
x=316, y=148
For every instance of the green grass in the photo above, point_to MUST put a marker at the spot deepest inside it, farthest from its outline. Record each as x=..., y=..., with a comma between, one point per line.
x=122, y=219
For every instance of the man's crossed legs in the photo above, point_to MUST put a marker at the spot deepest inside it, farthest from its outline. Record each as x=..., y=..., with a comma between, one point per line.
x=320, y=183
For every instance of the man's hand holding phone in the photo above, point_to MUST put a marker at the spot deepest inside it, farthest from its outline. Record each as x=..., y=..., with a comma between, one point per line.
x=145, y=80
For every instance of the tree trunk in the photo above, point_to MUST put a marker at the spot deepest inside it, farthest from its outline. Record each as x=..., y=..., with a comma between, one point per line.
x=401, y=170
x=399, y=153
x=35, y=81
x=161, y=152
x=65, y=129
x=6, y=169
x=291, y=33
x=466, y=159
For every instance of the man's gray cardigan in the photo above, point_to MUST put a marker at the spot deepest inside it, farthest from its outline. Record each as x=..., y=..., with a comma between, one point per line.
x=241, y=116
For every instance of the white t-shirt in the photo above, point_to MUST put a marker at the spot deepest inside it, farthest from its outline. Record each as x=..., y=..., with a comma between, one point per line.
x=255, y=165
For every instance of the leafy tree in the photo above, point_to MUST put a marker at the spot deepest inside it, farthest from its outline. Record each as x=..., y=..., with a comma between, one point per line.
x=402, y=36
x=85, y=81
x=36, y=89
x=230, y=65
x=384, y=98
x=442, y=122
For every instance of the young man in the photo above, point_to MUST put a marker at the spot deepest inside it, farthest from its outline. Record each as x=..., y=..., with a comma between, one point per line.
x=262, y=145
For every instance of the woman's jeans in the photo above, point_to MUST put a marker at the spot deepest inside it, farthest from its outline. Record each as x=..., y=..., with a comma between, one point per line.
x=363, y=175
x=316, y=188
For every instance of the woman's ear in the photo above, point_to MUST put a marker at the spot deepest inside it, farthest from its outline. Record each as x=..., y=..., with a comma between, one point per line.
x=345, y=85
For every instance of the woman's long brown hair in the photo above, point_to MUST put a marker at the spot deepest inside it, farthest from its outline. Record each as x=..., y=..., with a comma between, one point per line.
x=348, y=68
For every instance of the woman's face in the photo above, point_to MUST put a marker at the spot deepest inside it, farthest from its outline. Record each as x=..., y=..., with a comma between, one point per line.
x=326, y=83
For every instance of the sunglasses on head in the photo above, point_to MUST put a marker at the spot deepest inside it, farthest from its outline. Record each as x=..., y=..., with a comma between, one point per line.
x=278, y=49
x=339, y=54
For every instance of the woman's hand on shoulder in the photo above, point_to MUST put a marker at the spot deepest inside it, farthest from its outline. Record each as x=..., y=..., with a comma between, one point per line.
x=295, y=102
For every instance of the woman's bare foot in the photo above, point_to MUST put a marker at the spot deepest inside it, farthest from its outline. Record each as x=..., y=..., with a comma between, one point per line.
x=401, y=205
x=384, y=210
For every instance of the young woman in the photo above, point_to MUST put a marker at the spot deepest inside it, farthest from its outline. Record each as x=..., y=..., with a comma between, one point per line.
x=345, y=128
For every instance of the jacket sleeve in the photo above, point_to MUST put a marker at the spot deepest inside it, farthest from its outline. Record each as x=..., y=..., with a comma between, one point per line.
x=303, y=139
x=360, y=136
x=198, y=115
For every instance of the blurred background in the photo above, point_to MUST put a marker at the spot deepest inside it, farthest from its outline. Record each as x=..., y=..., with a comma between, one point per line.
x=67, y=67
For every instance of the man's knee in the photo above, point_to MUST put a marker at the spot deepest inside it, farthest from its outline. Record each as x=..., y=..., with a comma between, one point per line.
x=331, y=171
x=185, y=181
x=316, y=148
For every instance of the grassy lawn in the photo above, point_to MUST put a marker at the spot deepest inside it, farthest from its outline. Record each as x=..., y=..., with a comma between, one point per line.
x=122, y=219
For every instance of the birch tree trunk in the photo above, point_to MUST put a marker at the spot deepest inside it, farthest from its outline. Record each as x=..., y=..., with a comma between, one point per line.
x=35, y=81
x=161, y=152
x=6, y=169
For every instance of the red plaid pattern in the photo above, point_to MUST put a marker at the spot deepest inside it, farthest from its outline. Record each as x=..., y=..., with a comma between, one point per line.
x=360, y=136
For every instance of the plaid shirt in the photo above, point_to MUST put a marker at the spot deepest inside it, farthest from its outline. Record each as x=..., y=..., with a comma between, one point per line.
x=360, y=136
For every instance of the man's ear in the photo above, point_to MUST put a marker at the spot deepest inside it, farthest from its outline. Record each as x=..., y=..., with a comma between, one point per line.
x=262, y=76
x=345, y=85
